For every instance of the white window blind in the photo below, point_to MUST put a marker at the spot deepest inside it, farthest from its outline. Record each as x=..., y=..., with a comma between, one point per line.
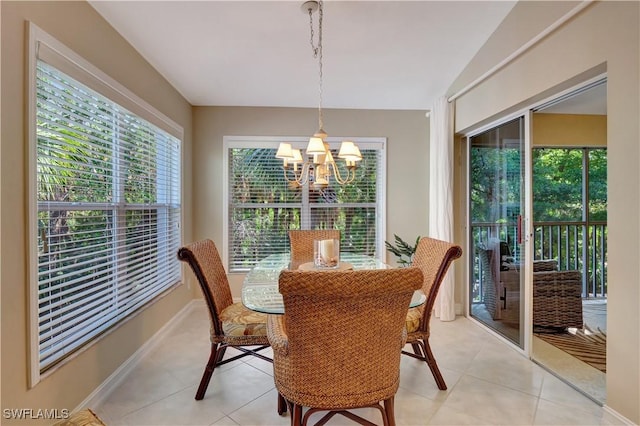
x=108, y=213
x=263, y=206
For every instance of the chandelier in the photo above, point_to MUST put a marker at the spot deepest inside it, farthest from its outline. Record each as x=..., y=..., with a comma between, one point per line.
x=319, y=165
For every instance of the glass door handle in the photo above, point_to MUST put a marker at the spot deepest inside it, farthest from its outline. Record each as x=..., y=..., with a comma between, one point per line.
x=519, y=229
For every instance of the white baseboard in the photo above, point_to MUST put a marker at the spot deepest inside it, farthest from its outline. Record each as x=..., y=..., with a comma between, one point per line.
x=100, y=394
x=619, y=417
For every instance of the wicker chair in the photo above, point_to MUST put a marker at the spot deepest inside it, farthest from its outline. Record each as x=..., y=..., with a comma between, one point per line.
x=337, y=347
x=557, y=300
x=231, y=323
x=493, y=293
x=433, y=257
x=301, y=243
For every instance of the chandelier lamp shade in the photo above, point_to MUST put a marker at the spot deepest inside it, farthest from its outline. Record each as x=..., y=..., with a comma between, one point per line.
x=317, y=165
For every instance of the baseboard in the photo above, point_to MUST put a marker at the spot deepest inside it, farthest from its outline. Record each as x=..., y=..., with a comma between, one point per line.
x=100, y=394
x=619, y=417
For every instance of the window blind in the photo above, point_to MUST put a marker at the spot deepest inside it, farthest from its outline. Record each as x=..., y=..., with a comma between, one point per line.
x=263, y=206
x=108, y=200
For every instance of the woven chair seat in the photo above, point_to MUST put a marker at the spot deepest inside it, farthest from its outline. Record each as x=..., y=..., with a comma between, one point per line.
x=414, y=315
x=237, y=320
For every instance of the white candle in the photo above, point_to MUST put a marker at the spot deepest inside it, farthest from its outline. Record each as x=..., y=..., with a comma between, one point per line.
x=326, y=251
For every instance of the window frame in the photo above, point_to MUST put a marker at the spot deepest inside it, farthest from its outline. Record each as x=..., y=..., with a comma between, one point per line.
x=42, y=45
x=376, y=143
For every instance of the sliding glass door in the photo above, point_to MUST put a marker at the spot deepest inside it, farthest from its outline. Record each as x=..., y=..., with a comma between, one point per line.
x=496, y=228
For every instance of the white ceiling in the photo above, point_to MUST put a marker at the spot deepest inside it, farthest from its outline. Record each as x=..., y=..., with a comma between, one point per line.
x=377, y=55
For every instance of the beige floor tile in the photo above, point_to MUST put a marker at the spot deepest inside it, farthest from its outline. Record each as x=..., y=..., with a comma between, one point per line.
x=507, y=367
x=492, y=403
x=416, y=377
x=142, y=387
x=488, y=383
x=371, y=414
x=446, y=416
x=178, y=409
x=550, y=413
x=234, y=388
x=261, y=411
x=225, y=421
x=414, y=409
x=558, y=392
x=261, y=364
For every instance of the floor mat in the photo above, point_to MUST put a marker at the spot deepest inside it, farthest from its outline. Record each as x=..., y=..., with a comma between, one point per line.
x=587, y=345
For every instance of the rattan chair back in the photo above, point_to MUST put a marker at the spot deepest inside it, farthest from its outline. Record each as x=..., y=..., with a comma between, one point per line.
x=433, y=257
x=338, y=344
x=301, y=243
x=207, y=266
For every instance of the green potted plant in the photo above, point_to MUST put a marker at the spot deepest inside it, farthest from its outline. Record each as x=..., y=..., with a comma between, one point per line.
x=402, y=250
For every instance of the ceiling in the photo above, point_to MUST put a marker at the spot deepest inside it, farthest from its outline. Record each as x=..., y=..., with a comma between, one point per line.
x=377, y=55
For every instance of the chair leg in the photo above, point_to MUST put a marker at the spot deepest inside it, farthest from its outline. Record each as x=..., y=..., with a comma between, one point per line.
x=221, y=351
x=416, y=349
x=208, y=371
x=389, y=413
x=433, y=365
x=282, y=404
x=296, y=415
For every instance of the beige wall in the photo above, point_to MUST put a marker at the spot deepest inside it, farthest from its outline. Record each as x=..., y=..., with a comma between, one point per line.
x=604, y=36
x=558, y=130
x=407, y=134
x=77, y=25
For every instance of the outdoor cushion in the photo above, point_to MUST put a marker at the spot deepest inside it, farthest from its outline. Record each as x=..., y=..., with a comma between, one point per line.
x=240, y=321
x=413, y=319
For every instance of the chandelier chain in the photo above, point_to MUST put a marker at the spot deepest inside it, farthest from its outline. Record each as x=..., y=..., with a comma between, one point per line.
x=317, y=53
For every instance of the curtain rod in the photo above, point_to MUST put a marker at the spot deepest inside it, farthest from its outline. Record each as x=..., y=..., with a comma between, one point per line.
x=573, y=12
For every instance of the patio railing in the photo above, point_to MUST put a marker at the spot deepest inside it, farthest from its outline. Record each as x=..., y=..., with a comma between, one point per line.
x=575, y=245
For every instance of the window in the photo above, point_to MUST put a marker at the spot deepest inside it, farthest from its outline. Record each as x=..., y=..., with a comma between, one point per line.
x=105, y=206
x=262, y=207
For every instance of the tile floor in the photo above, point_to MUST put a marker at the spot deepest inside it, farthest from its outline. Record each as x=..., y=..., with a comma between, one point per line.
x=489, y=384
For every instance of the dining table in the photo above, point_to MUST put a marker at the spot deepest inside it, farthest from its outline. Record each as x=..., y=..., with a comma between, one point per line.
x=260, y=286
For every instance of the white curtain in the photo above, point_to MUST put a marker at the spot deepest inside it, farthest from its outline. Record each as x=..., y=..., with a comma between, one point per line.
x=441, y=195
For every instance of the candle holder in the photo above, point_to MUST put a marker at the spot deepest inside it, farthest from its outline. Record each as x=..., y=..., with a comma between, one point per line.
x=326, y=253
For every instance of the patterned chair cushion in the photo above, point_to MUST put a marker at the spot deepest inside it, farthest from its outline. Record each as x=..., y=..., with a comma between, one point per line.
x=413, y=319
x=240, y=321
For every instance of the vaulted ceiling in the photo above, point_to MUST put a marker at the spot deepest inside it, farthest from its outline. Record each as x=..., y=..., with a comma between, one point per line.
x=377, y=54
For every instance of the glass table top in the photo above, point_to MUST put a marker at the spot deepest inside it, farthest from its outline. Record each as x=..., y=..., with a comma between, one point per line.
x=260, y=286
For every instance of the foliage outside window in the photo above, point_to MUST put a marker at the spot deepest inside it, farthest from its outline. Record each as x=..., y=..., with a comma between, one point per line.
x=263, y=206
x=108, y=213
x=570, y=212
x=562, y=179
